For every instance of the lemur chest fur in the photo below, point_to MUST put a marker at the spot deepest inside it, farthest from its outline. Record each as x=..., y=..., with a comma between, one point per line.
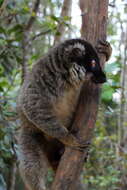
x=65, y=105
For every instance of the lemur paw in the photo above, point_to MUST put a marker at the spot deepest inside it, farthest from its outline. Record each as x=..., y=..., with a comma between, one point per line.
x=77, y=73
x=105, y=48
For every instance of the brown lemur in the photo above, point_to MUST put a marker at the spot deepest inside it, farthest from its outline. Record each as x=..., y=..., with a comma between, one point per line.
x=47, y=102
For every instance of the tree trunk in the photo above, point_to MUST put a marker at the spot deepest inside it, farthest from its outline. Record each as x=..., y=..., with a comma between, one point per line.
x=12, y=176
x=66, y=10
x=3, y=7
x=26, y=39
x=94, y=17
x=122, y=128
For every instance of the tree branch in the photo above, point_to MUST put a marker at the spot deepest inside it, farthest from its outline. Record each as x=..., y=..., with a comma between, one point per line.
x=40, y=34
x=32, y=18
x=71, y=164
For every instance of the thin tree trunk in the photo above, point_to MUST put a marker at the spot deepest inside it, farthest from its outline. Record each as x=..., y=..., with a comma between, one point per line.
x=124, y=87
x=26, y=39
x=3, y=7
x=93, y=29
x=122, y=81
x=122, y=130
x=66, y=11
x=12, y=176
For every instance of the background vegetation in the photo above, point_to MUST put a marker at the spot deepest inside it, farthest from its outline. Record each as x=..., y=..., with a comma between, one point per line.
x=23, y=42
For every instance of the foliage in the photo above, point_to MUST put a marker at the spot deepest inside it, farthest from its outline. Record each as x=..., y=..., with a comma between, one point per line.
x=101, y=169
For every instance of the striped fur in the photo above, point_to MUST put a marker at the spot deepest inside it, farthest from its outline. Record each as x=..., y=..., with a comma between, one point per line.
x=46, y=105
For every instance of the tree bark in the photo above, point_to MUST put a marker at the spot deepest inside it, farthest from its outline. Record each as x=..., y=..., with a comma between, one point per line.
x=94, y=17
x=12, y=176
x=3, y=7
x=66, y=10
x=25, y=39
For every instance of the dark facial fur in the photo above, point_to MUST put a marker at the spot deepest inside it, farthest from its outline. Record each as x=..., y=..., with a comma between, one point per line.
x=84, y=54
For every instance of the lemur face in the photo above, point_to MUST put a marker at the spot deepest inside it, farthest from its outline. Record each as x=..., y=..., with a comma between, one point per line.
x=98, y=75
x=91, y=63
x=85, y=55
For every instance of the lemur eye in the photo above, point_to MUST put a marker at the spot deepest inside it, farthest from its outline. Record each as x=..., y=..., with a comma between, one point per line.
x=93, y=63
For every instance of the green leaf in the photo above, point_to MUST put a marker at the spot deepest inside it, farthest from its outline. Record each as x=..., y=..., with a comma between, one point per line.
x=16, y=28
x=25, y=10
x=3, y=42
x=1, y=2
x=67, y=18
x=53, y=17
x=2, y=30
x=107, y=92
x=112, y=67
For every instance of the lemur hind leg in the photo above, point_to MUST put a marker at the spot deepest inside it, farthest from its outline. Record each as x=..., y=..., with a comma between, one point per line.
x=33, y=163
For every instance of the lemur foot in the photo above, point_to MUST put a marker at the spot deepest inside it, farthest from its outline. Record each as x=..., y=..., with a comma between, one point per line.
x=105, y=48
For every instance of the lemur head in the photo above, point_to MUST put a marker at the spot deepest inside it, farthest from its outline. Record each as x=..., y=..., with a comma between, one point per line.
x=82, y=53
